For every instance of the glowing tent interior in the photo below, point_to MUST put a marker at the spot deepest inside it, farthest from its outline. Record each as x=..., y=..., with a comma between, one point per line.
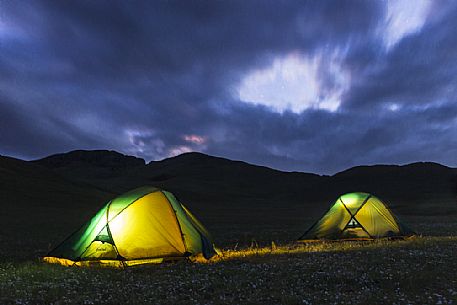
x=357, y=216
x=146, y=225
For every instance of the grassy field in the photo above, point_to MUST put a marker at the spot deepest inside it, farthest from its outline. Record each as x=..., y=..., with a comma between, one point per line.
x=420, y=270
x=260, y=263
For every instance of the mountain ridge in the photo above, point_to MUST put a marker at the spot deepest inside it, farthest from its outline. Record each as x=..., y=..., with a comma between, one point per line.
x=196, y=155
x=219, y=183
x=64, y=191
x=103, y=158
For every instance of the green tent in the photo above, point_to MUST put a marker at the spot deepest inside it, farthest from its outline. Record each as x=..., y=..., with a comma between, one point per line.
x=357, y=216
x=146, y=225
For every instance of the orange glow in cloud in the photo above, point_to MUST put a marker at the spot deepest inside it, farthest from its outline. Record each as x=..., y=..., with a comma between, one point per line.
x=195, y=139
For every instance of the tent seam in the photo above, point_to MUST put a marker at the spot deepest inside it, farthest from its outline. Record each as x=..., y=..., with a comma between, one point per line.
x=177, y=221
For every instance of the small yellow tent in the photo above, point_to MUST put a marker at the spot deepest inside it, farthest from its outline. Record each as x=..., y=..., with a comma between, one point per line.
x=357, y=216
x=146, y=225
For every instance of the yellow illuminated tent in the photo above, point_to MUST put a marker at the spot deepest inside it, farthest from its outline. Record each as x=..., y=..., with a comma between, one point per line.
x=146, y=225
x=357, y=216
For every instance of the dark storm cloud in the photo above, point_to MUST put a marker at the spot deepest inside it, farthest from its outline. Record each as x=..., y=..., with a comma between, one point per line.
x=24, y=133
x=420, y=70
x=319, y=139
x=159, y=78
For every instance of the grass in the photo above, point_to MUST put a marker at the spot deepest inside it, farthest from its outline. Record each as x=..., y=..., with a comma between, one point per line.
x=414, y=271
x=251, y=269
x=330, y=246
x=254, y=221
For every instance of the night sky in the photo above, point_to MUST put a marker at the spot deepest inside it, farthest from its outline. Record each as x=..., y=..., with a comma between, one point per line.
x=315, y=86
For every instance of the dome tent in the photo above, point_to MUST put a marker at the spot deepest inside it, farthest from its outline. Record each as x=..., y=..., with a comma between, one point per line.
x=145, y=225
x=357, y=216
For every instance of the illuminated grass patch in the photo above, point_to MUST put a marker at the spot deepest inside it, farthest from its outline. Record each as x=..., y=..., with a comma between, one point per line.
x=411, y=271
x=330, y=246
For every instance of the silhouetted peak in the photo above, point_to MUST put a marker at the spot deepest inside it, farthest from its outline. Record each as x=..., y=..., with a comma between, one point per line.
x=383, y=169
x=193, y=155
x=426, y=166
x=97, y=158
x=193, y=158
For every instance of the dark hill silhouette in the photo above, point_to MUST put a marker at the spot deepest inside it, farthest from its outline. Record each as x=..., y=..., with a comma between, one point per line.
x=417, y=188
x=191, y=173
x=66, y=189
x=85, y=158
x=22, y=180
x=209, y=182
x=100, y=168
x=35, y=199
x=218, y=189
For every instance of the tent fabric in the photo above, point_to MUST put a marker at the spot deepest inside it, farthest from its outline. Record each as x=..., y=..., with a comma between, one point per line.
x=357, y=216
x=200, y=239
x=146, y=225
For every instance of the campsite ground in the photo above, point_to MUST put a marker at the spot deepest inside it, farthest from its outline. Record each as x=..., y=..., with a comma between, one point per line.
x=40, y=207
x=415, y=271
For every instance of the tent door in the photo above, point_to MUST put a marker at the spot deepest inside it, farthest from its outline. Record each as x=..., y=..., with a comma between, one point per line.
x=354, y=229
x=353, y=224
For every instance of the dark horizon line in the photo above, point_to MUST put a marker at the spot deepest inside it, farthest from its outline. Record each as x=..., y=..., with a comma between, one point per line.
x=229, y=159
